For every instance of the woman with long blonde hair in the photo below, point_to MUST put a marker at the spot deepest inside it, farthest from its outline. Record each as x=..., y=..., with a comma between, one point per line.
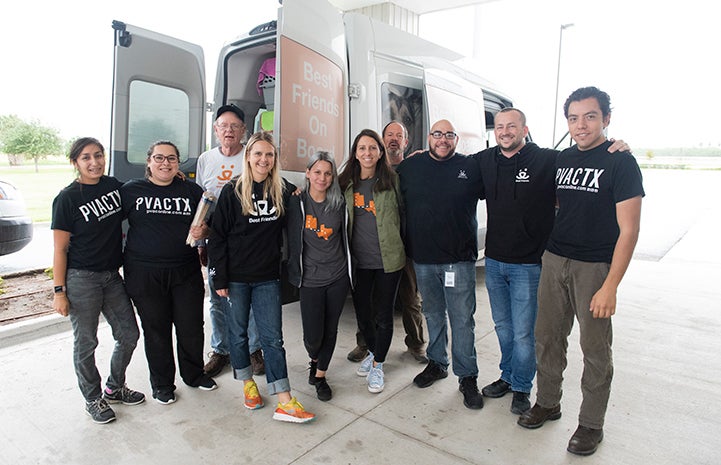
x=244, y=248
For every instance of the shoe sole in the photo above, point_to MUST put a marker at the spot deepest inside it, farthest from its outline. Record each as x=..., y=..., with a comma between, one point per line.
x=585, y=452
x=495, y=395
x=113, y=402
x=100, y=422
x=165, y=402
x=364, y=374
x=552, y=417
x=255, y=407
x=291, y=418
x=208, y=388
x=376, y=390
x=428, y=384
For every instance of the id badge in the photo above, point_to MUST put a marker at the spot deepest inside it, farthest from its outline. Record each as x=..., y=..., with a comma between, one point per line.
x=450, y=279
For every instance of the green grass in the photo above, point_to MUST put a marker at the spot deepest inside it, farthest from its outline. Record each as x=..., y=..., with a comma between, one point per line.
x=39, y=189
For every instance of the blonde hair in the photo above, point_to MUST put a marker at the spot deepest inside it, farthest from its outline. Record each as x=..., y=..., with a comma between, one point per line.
x=272, y=186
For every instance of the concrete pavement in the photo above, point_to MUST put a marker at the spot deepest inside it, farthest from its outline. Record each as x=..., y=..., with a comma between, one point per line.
x=664, y=406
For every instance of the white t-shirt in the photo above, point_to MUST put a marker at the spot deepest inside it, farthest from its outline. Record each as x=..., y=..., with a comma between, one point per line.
x=214, y=169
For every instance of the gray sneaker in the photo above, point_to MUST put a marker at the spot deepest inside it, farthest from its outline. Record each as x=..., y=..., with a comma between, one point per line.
x=124, y=395
x=99, y=411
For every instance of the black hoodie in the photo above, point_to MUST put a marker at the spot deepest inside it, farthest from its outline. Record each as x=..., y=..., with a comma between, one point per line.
x=520, y=198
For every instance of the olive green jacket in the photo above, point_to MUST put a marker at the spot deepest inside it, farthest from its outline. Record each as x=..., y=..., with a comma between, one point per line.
x=388, y=222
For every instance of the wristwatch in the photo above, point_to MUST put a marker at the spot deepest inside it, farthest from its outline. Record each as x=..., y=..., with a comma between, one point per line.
x=59, y=289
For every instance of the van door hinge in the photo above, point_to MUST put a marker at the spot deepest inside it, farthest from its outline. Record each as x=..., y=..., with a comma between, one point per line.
x=354, y=91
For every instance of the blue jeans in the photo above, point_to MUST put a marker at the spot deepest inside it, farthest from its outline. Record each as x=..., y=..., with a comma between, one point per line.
x=219, y=307
x=444, y=301
x=265, y=300
x=91, y=293
x=512, y=291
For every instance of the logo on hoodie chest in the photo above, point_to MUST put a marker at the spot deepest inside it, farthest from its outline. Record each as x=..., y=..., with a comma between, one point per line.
x=523, y=175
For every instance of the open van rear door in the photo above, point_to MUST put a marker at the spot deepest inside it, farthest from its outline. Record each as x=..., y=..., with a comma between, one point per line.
x=459, y=101
x=313, y=90
x=158, y=94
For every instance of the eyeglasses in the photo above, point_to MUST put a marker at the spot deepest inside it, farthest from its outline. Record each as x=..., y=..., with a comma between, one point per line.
x=232, y=127
x=450, y=135
x=161, y=158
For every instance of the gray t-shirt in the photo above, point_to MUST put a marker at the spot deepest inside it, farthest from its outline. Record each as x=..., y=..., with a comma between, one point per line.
x=324, y=259
x=365, y=245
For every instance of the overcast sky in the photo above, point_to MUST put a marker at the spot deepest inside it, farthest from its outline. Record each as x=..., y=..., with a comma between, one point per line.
x=657, y=60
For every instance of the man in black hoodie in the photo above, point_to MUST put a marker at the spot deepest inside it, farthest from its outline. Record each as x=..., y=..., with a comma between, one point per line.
x=518, y=178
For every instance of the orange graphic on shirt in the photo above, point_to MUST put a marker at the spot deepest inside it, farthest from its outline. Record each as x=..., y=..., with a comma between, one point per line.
x=225, y=174
x=360, y=202
x=311, y=223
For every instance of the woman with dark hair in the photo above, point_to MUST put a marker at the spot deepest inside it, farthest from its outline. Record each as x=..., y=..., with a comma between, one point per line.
x=371, y=191
x=162, y=272
x=87, y=236
x=244, y=248
x=319, y=263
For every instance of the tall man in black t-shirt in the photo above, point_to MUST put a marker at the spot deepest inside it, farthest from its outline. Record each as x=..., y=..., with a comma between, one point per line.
x=590, y=248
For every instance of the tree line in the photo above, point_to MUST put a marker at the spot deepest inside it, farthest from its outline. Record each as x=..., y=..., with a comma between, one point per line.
x=21, y=140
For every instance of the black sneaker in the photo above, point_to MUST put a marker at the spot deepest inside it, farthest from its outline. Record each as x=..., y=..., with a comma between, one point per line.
x=124, y=395
x=206, y=383
x=497, y=389
x=520, y=403
x=430, y=374
x=164, y=397
x=322, y=389
x=99, y=411
x=312, y=369
x=471, y=397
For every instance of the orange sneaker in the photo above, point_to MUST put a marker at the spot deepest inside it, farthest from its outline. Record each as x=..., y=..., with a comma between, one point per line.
x=293, y=412
x=252, y=396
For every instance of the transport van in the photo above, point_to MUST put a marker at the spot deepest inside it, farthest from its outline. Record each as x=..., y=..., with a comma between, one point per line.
x=314, y=76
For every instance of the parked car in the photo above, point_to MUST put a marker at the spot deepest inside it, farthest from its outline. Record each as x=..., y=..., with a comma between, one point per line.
x=16, y=227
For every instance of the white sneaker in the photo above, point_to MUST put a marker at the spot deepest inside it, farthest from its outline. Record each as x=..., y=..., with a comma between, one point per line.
x=375, y=379
x=365, y=366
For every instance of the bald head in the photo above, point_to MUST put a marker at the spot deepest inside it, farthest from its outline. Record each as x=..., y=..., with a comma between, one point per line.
x=442, y=140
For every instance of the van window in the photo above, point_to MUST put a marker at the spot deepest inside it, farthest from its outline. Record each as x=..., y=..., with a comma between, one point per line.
x=404, y=104
x=156, y=113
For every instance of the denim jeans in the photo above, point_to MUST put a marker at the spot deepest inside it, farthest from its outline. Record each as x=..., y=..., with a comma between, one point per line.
x=264, y=297
x=512, y=291
x=444, y=301
x=91, y=293
x=219, y=307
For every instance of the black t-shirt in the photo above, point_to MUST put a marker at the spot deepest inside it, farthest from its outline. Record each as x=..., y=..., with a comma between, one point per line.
x=589, y=184
x=93, y=215
x=246, y=248
x=440, y=198
x=159, y=218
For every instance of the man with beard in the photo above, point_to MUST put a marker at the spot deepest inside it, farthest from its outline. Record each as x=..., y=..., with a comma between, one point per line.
x=441, y=189
x=395, y=138
x=520, y=193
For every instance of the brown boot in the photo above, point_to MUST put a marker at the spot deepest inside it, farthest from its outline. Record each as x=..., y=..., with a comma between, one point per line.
x=257, y=362
x=216, y=364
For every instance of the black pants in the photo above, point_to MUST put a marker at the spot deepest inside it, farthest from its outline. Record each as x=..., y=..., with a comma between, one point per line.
x=320, y=309
x=374, y=297
x=165, y=297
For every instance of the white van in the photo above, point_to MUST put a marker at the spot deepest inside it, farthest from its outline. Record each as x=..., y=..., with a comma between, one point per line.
x=334, y=75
